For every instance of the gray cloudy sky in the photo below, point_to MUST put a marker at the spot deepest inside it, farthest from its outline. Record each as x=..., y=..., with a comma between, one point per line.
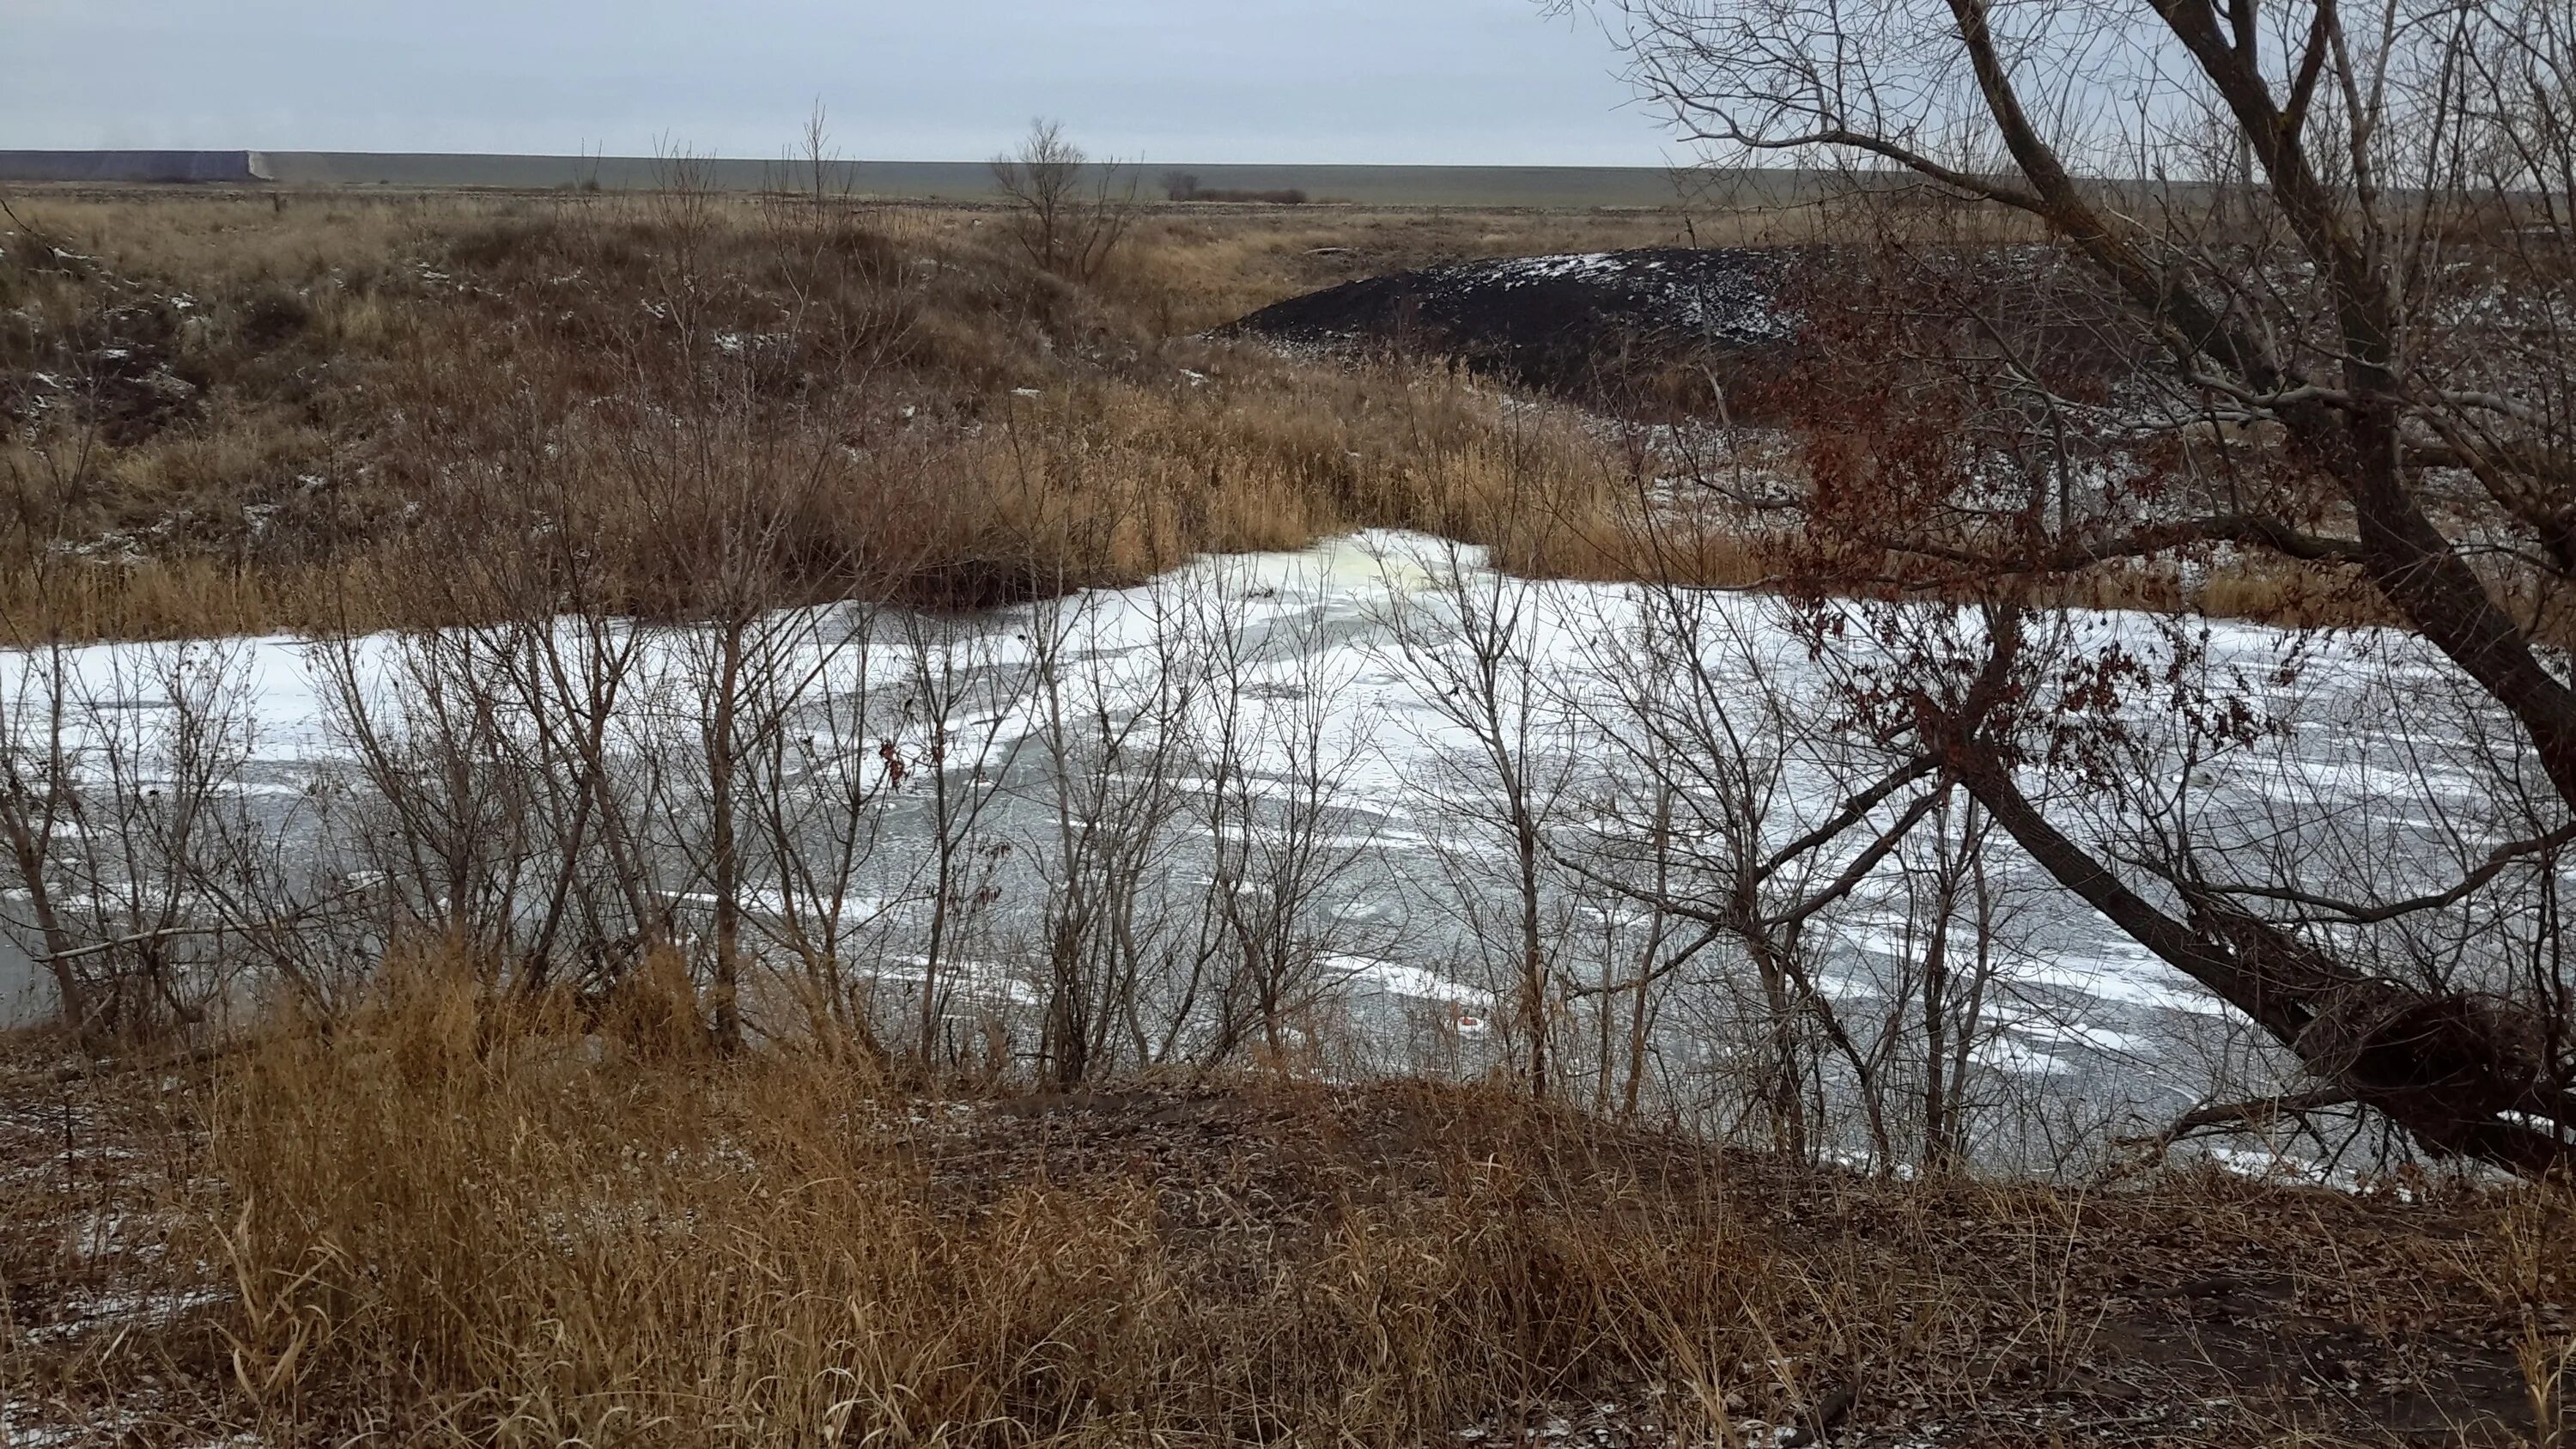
x=1429, y=81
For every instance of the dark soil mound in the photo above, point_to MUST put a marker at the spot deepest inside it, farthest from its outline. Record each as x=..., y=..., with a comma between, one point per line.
x=1617, y=327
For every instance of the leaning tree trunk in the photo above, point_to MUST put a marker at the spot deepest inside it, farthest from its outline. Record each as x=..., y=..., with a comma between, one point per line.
x=2465, y=1076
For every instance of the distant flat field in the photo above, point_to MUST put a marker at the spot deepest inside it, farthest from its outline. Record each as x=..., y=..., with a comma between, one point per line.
x=1587, y=187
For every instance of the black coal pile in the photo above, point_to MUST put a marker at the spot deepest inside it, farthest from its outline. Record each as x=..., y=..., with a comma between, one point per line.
x=1635, y=327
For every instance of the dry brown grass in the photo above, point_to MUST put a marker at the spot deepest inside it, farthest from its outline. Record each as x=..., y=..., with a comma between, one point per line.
x=195, y=598
x=768, y=1253
x=440, y=1219
x=378, y=386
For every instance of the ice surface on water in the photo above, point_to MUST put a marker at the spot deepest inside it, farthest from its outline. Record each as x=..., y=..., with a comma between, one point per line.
x=1329, y=618
x=1410, y=981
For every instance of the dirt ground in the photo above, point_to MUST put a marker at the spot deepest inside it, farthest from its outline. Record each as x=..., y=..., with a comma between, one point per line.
x=2180, y=1310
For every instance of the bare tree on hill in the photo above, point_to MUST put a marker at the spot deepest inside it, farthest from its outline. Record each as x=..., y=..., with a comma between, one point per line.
x=1070, y=213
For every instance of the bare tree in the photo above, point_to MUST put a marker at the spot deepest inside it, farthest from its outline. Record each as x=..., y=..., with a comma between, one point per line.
x=955, y=741
x=1734, y=805
x=818, y=157
x=1068, y=213
x=1112, y=726
x=1276, y=759
x=2348, y=354
x=820, y=786
x=143, y=863
x=2353, y=362
x=1475, y=644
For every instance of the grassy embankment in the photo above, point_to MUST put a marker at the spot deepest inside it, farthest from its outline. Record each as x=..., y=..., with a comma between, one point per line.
x=227, y=415
x=438, y=1221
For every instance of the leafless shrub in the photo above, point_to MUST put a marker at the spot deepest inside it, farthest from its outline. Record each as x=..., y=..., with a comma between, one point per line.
x=1277, y=801
x=1482, y=672
x=1070, y=214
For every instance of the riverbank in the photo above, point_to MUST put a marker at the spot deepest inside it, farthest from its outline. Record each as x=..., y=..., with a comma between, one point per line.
x=442, y=1223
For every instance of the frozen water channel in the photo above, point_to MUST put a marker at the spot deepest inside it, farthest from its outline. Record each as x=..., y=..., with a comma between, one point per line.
x=1298, y=732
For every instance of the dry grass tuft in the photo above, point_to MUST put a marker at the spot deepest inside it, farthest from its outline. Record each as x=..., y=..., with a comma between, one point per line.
x=516, y=1233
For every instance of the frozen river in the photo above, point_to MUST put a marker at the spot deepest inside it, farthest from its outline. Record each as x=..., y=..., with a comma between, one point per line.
x=1319, y=731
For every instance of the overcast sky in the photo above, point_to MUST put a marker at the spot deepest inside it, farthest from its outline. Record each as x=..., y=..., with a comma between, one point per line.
x=1427, y=81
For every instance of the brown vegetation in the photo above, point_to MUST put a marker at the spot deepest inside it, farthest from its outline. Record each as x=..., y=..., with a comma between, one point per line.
x=504, y=1193
x=234, y=418
x=448, y=1220
x=1182, y=186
